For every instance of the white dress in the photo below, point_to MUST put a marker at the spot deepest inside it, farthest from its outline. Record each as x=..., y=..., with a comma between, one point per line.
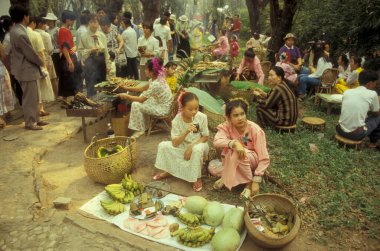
x=171, y=159
x=158, y=103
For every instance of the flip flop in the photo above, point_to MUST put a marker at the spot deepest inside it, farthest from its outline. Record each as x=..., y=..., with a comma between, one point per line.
x=218, y=184
x=161, y=176
x=197, y=186
x=246, y=194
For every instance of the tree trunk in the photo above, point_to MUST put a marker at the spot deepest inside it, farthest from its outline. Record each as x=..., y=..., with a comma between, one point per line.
x=151, y=10
x=254, y=15
x=24, y=3
x=281, y=21
x=111, y=6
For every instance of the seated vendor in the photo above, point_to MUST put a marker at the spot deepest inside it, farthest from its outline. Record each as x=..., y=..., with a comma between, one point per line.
x=279, y=107
x=223, y=46
x=252, y=62
x=352, y=79
x=360, y=115
x=155, y=99
x=183, y=156
x=245, y=156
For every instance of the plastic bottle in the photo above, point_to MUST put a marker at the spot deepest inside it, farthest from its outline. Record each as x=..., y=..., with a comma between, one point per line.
x=110, y=131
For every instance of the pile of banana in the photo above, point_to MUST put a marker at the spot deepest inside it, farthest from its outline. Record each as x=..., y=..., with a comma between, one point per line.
x=117, y=192
x=189, y=219
x=210, y=65
x=112, y=207
x=131, y=185
x=194, y=237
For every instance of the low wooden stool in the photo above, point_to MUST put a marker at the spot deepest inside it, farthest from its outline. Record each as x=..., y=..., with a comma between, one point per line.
x=314, y=122
x=291, y=128
x=349, y=142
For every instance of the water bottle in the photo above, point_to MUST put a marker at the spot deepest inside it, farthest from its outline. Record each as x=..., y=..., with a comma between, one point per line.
x=110, y=131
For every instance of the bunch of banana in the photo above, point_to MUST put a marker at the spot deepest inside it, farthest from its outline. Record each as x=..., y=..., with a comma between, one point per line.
x=189, y=219
x=112, y=207
x=116, y=191
x=129, y=196
x=131, y=185
x=194, y=237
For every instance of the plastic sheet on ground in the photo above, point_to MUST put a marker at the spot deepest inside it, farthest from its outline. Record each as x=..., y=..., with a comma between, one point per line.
x=93, y=207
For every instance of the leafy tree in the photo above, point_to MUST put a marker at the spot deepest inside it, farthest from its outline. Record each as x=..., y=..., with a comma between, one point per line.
x=151, y=10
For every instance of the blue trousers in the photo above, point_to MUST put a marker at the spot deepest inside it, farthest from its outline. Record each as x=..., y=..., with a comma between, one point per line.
x=305, y=81
x=373, y=130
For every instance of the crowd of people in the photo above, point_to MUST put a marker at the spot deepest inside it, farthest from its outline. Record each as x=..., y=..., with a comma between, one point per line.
x=41, y=62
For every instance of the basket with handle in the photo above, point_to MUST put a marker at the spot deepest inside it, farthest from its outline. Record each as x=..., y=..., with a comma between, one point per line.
x=281, y=205
x=110, y=169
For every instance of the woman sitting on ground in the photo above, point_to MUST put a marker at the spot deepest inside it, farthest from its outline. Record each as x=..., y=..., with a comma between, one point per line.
x=155, y=99
x=252, y=62
x=352, y=80
x=245, y=156
x=279, y=107
x=183, y=156
x=223, y=46
x=314, y=79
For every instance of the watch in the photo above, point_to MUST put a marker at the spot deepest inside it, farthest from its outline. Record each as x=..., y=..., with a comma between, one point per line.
x=257, y=179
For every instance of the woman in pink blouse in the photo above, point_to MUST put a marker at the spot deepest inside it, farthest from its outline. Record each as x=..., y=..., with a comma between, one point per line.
x=252, y=62
x=223, y=46
x=245, y=156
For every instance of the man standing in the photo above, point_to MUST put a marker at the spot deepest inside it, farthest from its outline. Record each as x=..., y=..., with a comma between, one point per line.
x=148, y=47
x=360, y=115
x=236, y=26
x=163, y=31
x=130, y=48
x=25, y=66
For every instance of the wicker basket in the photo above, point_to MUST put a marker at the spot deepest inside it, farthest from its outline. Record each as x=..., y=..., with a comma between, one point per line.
x=281, y=205
x=111, y=169
x=213, y=119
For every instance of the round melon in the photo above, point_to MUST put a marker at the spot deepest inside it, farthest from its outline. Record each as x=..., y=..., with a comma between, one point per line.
x=234, y=218
x=227, y=239
x=213, y=214
x=195, y=204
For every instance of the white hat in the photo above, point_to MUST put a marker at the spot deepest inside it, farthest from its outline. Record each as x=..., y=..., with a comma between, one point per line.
x=183, y=18
x=172, y=17
x=289, y=35
x=51, y=16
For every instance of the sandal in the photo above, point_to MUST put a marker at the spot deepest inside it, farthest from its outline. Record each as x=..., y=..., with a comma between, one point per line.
x=246, y=194
x=161, y=176
x=218, y=184
x=198, y=186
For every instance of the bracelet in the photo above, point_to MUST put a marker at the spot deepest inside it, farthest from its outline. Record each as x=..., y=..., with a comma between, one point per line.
x=257, y=179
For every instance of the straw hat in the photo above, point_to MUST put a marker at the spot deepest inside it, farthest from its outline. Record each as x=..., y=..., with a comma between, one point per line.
x=289, y=35
x=172, y=17
x=183, y=18
x=51, y=16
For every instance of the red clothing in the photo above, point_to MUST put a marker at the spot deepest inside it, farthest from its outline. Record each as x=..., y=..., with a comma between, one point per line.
x=236, y=26
x=65, y=40
x=234, y=49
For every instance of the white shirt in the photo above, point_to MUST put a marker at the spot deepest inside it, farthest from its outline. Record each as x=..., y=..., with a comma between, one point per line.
x=130, y=42
x=355, y=106
x=321, y=67
x=47, y=41
x=163, y=32
x=151, y=47
x=82, y=29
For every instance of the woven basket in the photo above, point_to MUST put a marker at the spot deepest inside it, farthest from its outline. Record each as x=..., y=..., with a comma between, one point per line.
x=281, y=205
x=213, y=119
x=111, y=169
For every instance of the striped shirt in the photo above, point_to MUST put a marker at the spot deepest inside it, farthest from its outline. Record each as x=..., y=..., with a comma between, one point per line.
x=283, y=100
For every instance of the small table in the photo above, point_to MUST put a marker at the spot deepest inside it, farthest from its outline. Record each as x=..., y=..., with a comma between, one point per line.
x=83, y=113
x=314, y=122
x=330, y=100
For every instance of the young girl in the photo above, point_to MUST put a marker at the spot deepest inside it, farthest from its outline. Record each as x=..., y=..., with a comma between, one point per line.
x=234, y=47
x=252, y=62
x=155, y=99
x=170, y=78
x=245, y=156
x=183, y=156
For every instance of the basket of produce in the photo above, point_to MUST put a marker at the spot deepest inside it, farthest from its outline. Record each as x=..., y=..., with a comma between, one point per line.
x=272, y=220
x=107, y=160
x=213, y=119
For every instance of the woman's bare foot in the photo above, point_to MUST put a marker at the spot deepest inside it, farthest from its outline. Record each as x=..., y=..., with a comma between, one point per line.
x=161, y=176
x=198, y=185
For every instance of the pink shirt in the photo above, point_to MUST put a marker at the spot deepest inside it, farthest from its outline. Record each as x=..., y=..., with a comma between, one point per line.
x=290, y=74
x=252, y=66
x=238, y=171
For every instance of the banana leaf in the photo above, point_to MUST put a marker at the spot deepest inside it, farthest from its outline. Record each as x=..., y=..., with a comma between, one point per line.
x=206, y=100
x=245, y=85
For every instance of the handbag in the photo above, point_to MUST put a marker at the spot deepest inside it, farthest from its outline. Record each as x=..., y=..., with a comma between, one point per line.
x=120, y=59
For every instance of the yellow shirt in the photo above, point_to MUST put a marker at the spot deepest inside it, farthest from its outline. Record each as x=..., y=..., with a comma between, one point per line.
x=172, y=83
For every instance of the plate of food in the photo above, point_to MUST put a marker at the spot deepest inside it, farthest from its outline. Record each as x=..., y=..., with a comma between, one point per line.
x=145, y=207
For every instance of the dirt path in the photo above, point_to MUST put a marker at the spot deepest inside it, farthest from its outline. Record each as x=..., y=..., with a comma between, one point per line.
x=51, y=162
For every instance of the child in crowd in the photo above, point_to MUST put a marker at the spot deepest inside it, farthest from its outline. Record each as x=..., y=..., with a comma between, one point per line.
x=170, y=78
x=183, y=156
x=155, y=99
x=234, y=47
x=252, y=62
x=245, y=155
